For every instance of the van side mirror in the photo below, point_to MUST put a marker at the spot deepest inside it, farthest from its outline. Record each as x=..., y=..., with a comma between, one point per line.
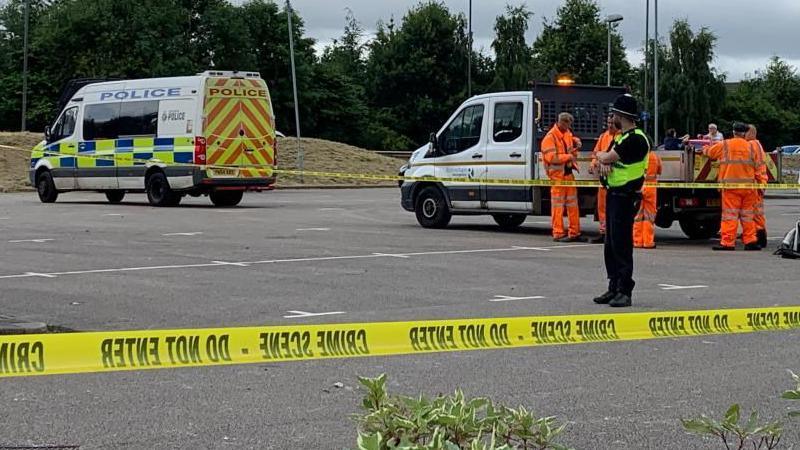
x=47, y=133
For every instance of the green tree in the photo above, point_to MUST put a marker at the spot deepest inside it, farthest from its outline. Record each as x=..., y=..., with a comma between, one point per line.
x=576, y=43
x=691, y=93
x=513, y=56
x=771, y=101
x=416, y=75
x=341, y=113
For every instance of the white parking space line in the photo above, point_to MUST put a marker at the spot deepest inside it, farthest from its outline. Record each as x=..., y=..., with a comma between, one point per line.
x=672, y=287
x=226, y=263
x=112, y=214
x=190, y=233
x=331, y=209
x=38, y=241
x=3, y=218
x=312, y=229
x=287, y=260
x=296, y=314
x=790, y=214
x=506, y=298
x=43, y=275
x=391, y=255
x=531, y=248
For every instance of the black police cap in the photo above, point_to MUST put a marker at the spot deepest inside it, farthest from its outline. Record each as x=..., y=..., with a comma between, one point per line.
x=626, y=105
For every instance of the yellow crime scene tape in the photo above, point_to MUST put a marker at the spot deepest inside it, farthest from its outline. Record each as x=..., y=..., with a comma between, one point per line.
x=89, y=352
x=396, y=178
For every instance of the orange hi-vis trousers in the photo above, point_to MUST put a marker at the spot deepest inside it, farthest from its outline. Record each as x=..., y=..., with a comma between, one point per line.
x=738, y=205
x=759, y=218
x=644, y=228
x=601, y=208
x=561, y=198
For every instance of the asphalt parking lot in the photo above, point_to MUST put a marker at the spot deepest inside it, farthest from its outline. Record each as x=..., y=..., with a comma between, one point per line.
x=318, y=256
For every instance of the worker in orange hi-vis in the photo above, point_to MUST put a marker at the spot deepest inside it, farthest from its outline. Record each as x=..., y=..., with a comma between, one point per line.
x=739, y=162
x=560, y=155
x=644, y=227
x=604, y=143
x=760, y=219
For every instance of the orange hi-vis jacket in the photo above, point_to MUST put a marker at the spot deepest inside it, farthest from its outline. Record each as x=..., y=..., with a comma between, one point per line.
x=603, y=145
x=761, y=175
x=653, y=168
x=740, y=161
x=557, y=150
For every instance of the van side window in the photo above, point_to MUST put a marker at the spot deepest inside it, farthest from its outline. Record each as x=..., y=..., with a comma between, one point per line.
x=507, y=122
x=65, y=127
x=463, y=132
x=138, y=118
x=101, y=121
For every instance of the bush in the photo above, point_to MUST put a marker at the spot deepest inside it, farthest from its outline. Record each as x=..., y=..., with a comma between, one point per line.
x=450, y=422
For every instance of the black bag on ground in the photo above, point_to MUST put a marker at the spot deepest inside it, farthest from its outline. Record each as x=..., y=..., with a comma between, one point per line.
x=790, y=247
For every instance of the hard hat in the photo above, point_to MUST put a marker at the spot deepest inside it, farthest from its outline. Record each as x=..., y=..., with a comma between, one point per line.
x=626, y=105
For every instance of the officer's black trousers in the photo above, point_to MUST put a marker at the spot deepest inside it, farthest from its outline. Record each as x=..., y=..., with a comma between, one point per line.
x=621, y=209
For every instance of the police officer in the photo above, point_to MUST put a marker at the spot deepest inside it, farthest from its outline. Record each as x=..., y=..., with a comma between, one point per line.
x=622, y=171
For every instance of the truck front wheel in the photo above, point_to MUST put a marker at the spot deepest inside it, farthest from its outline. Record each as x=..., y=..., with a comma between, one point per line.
x=431, y=208
x=699, y=229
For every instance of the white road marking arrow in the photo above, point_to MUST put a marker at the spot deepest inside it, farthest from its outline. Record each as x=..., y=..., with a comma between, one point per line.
x=295, y=314
x=506, y=298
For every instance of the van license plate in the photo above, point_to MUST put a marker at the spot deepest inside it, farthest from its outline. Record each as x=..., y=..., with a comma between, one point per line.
x=715, y=202
x=224, y=172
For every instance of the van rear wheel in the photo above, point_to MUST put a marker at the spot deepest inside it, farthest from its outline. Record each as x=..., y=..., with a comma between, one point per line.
x=509, y=221
x=431, y=208
x=159, y=193
x=115, y=196
x=226, y=198
x=46, y=188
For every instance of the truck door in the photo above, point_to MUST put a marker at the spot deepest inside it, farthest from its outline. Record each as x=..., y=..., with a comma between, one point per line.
x=462, y=154
x=62, y=146
x=507, y=153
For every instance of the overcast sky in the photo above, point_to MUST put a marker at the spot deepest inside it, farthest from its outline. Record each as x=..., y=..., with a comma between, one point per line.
x=748, y=33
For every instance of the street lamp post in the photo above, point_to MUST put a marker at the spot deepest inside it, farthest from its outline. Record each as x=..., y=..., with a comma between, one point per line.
x=300, y=155
x=611, y=18
x=25, y=64
x=469, y=54
x=655, y=73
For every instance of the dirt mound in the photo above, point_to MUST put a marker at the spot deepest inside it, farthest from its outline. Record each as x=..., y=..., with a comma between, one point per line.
x=14, y=163
x=319, y=155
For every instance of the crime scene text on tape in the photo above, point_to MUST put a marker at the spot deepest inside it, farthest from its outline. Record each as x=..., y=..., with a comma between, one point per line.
x=396, y=178
x=69, y=353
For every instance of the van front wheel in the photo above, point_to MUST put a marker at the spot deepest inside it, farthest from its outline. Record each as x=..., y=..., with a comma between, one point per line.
x=431, y=208
x=226, y=198
x=46, y=188
x=159, y=193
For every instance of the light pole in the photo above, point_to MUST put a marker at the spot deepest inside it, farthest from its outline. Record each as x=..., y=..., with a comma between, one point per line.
x=655, y=73
x=25, y=64
x=300, y=156
x=611, y=18
x=469, y=54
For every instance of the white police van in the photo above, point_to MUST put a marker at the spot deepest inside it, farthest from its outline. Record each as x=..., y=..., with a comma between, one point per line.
x=210, y=134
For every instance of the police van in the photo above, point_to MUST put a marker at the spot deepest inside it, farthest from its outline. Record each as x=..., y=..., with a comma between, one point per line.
x=210, y=134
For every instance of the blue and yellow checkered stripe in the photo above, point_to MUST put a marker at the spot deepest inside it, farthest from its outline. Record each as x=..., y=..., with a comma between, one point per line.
x=117, y=152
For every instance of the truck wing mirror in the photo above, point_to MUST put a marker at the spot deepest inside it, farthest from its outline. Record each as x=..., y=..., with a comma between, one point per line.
x=434, y=145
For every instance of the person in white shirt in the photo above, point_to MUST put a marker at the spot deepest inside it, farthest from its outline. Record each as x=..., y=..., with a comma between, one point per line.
x=713, y=133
